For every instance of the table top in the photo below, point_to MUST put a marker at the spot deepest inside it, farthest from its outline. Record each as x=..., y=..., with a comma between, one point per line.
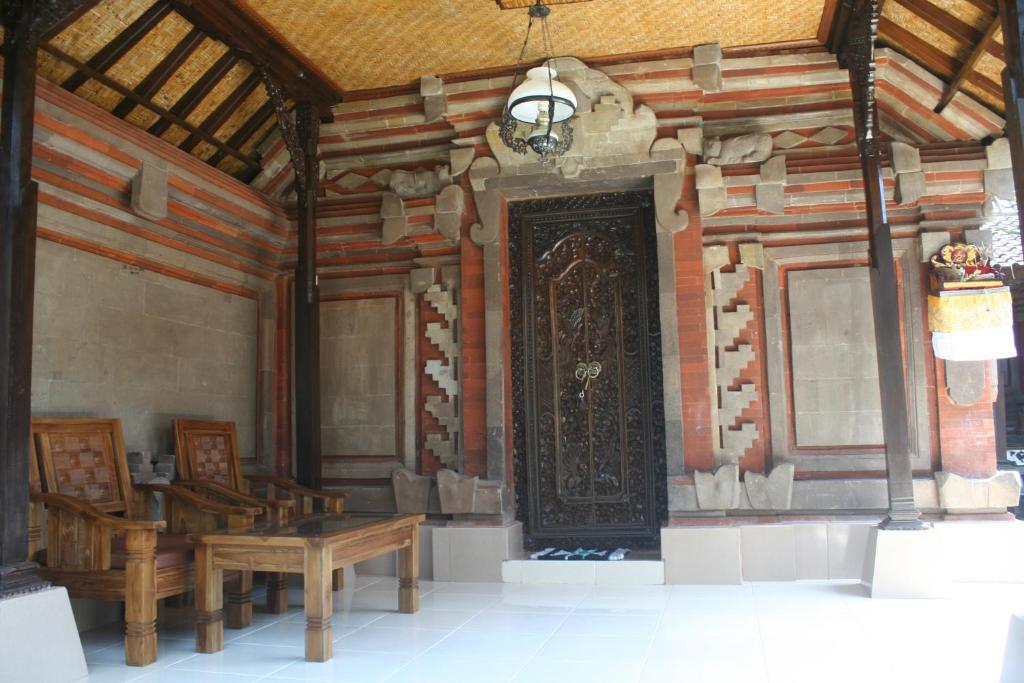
x=316, y=526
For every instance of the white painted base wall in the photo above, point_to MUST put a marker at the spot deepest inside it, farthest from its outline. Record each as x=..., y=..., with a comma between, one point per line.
x=38, y=639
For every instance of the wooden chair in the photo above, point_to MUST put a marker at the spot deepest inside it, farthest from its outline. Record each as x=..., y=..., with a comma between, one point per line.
x=208, y=460
x=100, y=542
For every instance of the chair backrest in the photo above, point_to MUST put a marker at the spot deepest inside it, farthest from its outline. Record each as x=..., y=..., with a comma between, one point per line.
x=84, y=458
x=208, y=451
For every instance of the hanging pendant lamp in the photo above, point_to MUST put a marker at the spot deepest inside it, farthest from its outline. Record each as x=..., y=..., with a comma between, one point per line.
x=539, y=110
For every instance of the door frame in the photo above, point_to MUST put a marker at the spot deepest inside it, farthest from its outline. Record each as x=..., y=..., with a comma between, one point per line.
x=657, y=478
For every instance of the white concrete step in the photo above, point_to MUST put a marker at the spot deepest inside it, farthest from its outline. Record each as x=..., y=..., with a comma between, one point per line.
x=584, y=572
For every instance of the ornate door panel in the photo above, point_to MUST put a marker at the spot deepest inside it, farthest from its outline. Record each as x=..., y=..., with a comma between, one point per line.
x=588, y=421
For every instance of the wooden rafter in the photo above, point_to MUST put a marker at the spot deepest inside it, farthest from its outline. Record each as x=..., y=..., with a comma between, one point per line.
x=199, y=90
x=247, y=130
x=943, y=20
x=156, y=78
x=968, y=66
x=117, y=48
x=258, y=43
x=224, y=110
x=170, y=116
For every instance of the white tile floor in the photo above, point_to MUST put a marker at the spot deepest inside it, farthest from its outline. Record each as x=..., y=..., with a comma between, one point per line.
x=819, y=632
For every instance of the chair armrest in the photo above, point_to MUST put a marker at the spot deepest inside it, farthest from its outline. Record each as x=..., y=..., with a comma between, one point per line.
x=295, y=487
x=83, y=509
x=202, y=502
x=232, y=494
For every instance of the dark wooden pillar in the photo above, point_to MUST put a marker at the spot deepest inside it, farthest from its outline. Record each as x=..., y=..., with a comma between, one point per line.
x=1012, y=13
x=858, y=55
x=309, y=462
x=17, y=285
x=301, y=133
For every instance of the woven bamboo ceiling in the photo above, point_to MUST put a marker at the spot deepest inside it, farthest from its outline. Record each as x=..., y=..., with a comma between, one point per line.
x=184, y=69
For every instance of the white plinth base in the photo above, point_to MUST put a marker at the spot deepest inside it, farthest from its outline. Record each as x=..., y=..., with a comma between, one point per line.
x=585, y=572
x=1013, y=660
x=906, y=564
x=39, y=640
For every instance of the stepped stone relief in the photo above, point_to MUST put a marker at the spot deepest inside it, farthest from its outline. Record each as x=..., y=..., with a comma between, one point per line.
x=734, y=436
x=445, y=373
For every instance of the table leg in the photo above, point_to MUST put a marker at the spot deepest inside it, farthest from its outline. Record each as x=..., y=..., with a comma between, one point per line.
x=318, y=598
x=409, y=575
x=240, y=601
x=277, y=593
x=209, y=602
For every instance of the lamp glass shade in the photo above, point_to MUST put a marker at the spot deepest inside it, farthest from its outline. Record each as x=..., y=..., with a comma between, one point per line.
x=537, y=92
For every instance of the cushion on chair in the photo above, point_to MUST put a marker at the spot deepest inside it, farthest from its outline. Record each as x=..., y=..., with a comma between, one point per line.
x=172, y=550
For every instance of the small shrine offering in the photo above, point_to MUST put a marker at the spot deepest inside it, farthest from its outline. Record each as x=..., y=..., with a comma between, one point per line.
x=970, y=310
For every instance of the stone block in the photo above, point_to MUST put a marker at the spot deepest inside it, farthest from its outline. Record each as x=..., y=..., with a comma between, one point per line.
x=1013, y=655
x=709, y=53
x=460, y=160
x=752, y=254
x=774, y=492
x=965, y=381
x=149, y=191
x=774, y=170
x=931, y=243
x=692, y=140
x=701, y=555
x=461, y=494
x=711, y=200
x=910, y=187
x=905, y=158
x=829, y=135
x=708, y=177
x=715, y=257
x=959, y=494
x=770, y=197
x=906, y=564
x=422, y=279
x=707, y=77
x=412, y=491
x=38, y=638
x=998, y=154
x=999, y=183
x=435, y=102
x=718, y=491
x=448, y=213
x=788, y=140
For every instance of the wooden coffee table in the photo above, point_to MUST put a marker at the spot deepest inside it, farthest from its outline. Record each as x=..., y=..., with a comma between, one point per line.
x=312, y=546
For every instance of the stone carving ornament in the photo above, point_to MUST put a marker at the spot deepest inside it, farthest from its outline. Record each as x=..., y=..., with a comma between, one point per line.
x=743, y=149
x=419, y=183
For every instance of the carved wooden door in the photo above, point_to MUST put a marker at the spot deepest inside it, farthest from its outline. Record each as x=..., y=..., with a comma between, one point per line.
x=588, y=424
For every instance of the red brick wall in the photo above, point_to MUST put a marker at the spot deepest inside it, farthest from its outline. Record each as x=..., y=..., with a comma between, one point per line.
x=967, y=444
x=474, y=361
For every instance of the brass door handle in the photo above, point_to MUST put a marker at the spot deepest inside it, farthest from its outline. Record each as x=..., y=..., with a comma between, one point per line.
x=586, y=372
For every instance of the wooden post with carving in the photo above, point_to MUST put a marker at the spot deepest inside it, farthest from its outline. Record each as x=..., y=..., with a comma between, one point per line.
x=858, y=56
x=17, y=284
x=301, y=136
x=1012, y=13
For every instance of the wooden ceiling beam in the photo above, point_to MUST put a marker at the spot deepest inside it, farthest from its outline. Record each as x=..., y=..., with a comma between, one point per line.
x=968, y=66
x=943, y=20
x=151, y=84
x=117, y=48
x=247, y=130
x=240, y=29
x=200, y=89
x=926, y=54
x=155, y=108
x=224, y=110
